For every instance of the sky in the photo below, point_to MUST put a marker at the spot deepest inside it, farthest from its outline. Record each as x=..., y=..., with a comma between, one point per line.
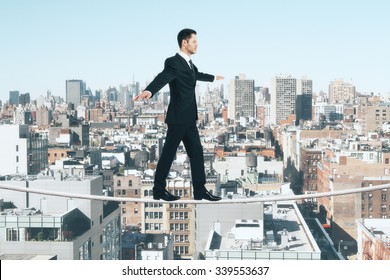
x=43, y=43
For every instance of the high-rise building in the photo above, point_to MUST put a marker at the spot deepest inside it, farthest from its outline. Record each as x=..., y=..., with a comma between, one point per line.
x=24, y=99
x=341, y=92
x=304, y=100
x=22, y=152
x=14, y=97
x=112, y=94
x=241, y=98
x=44, y=116
x=74, y=90
x=283, y=97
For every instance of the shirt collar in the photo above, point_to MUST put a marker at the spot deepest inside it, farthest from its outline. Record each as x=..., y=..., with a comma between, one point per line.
x=185, y=56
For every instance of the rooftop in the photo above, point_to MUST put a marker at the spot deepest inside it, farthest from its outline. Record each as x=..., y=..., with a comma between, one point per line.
x=27, y=257
x=283, y=221
x=281, y=234
x=379, y=228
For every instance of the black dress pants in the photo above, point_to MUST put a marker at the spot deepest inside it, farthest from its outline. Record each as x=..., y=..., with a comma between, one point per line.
x=188, y=133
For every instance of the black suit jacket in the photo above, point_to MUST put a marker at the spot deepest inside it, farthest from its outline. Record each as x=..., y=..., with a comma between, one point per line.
x=182, y=107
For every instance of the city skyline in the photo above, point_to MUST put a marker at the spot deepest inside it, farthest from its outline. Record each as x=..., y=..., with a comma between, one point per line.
x=107, y=43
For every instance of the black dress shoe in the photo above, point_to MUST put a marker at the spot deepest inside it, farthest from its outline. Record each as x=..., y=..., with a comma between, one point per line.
x=206, y=195
x=164, y=195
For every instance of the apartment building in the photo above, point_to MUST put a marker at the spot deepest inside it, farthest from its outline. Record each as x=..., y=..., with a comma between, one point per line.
x=241, y=98
x=128, y=185
x=340, y=212
x=177, y=218
x=341, y=92
x=373, y=239
x=374, y=116
x=309, y=158
x=71, y=229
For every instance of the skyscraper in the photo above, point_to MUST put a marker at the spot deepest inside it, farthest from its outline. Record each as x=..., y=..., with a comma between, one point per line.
x=74, y=90
x=304, y=100
x=14, y=97
x=241, y=98
x=283, y=97
x=24, y=99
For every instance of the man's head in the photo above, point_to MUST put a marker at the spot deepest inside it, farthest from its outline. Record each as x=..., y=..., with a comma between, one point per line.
x=187, y=41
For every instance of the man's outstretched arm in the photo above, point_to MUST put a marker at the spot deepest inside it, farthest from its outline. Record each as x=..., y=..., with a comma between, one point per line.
x=207, y=77
x=163, y=78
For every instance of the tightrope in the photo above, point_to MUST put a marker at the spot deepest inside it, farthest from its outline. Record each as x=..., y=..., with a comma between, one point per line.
x=256, y=199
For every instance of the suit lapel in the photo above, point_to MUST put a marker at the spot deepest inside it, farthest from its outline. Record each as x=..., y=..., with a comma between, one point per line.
x=191, y=72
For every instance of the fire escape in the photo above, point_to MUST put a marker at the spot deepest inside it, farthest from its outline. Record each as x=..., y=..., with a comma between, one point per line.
x=367, y=250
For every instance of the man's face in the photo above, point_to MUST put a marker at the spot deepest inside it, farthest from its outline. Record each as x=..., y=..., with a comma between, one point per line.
x=191, y=44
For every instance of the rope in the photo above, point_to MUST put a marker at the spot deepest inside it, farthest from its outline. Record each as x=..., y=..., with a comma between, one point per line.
x=267, y=198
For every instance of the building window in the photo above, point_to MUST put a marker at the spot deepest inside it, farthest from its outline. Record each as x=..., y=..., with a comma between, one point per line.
x=130, y=183
x=12, y=234
x=118, y=183
x=85, y=251
x=135, y=210
x=17, y=148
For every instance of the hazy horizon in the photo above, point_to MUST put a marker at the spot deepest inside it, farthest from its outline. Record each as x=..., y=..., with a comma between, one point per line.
x=107, y=43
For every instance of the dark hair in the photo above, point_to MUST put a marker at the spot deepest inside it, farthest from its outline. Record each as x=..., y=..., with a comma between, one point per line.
x=184, y=34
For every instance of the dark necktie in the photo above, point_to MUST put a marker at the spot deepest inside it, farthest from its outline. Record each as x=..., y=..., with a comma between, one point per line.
x=192, y=67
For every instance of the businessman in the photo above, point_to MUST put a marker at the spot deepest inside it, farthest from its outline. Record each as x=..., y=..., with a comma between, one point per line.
x=181, y=74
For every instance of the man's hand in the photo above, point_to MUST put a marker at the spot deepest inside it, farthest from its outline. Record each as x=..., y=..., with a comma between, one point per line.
x=219, y=78
x=143, y=95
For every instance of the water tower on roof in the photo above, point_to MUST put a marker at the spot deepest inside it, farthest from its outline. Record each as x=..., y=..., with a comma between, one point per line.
x=251, y=160
x=251, y=166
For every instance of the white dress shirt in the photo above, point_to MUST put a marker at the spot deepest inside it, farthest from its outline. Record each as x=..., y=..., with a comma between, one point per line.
x=186, y=57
